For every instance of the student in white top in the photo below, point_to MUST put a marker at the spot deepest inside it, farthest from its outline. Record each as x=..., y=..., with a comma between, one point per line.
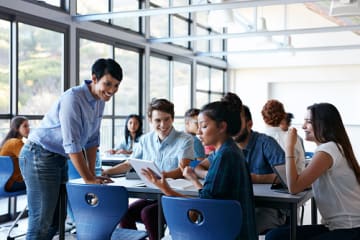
x=273, y=113
x=334, y=174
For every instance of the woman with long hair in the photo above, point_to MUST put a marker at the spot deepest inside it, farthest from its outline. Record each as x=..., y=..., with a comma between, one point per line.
x=334, y=174
x=11, y=146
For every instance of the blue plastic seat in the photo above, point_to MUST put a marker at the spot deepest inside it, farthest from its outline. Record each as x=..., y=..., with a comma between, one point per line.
x=6, y=170
x=98, y=210
x=217, y=219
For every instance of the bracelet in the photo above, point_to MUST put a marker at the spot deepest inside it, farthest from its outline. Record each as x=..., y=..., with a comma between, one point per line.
x=290, y=156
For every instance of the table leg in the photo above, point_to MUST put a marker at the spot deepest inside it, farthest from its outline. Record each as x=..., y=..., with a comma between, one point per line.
x=293, y=221
x=313, y=212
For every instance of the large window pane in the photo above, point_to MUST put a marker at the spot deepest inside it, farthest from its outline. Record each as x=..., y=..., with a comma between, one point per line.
x=202, y=45
x=4, y=67
x=201, y=99
x=203, y=79
x=182, y=86
x=92, y=6
x=105, y=135
x=90, y=51
x=159, y=78
x=180, y=28
x=126, y=99
x=126, y=5
x=217, y=80
x=159, y=26
x=40, y=69
x=119, y=131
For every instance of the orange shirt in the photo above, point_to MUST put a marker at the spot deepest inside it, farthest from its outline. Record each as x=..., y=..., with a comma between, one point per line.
x=12, y=148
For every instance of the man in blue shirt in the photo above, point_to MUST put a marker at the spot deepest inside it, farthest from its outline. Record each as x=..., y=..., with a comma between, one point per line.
x=70, y=129
x=171, y=150
x=191, y=127
x=261, y=152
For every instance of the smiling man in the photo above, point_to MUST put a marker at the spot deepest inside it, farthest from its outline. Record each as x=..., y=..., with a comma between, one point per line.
x=69, y=128
x=171, y=151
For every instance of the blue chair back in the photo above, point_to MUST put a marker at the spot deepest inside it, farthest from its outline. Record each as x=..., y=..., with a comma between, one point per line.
x=97, y=209
x=72, y=172
x=6, y=170
x=219, y=219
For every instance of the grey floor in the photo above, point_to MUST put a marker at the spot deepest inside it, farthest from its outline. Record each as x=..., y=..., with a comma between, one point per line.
x=22, y=226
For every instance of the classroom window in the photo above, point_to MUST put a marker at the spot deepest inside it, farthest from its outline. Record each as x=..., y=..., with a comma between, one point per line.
x=41, y=69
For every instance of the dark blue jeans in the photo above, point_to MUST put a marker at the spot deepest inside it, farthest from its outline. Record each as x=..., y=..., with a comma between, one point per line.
x=314, y=232
x=43, y=172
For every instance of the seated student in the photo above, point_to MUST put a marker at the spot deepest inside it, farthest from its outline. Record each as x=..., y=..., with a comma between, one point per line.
x=11, y=146
x=228, y=176
x=273, y=113
x=171, y=150
x=191, y=127
x=132, y=132
x=334, y=174
x=286, y=122
x=261, y=152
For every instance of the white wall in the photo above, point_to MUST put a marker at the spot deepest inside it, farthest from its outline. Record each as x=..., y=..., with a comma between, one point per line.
x=299, y=87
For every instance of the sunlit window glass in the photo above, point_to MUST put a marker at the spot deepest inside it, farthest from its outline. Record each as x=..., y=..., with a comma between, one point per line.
x=92, y=6
x=4, y=67
x=126, y=99
x=126, y=5
x=181, y=89
x=217, y=80
x=159, y=78
x=180, y=28
x=203, y=78
x=41, y=72
x=106, y=134
x=202, y=45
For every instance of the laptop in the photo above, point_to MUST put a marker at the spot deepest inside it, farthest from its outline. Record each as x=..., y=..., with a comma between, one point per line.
x=280, y=171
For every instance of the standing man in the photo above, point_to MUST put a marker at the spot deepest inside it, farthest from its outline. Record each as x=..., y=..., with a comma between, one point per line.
x=70, y=129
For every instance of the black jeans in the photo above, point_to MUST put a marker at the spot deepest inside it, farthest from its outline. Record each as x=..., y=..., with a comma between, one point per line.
x=314, y=232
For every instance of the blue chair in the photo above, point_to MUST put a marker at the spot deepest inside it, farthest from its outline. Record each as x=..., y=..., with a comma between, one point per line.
x=6, y=170
x=216, y=219
x=98, y=210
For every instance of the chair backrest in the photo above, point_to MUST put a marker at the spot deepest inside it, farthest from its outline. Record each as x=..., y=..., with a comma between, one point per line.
x=97, y=209
x=6, y=170
x=72, y=172
x=217, y=219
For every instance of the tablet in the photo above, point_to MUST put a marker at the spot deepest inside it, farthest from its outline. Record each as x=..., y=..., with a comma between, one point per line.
x=139, y=164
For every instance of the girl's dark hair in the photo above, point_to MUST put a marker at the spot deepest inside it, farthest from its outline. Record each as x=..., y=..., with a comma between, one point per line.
x=227, y=110
x=107, y=66
x=139, y=131
x=328, y=126
x=14, y=128
x=162, y=105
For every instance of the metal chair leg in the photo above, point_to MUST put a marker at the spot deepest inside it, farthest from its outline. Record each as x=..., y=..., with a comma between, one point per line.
x=15, y=224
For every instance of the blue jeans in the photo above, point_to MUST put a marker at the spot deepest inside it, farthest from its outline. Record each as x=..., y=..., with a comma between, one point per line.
x=43, y=172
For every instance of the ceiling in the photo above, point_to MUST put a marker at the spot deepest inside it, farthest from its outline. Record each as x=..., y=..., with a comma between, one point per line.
x=272, y=33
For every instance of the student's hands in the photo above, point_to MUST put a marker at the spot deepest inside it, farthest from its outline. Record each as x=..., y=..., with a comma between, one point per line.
x=123, y=151
x=291, y=138
x=111, y=151
x=99, y=180
x=154, y=178
x=189, y=173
